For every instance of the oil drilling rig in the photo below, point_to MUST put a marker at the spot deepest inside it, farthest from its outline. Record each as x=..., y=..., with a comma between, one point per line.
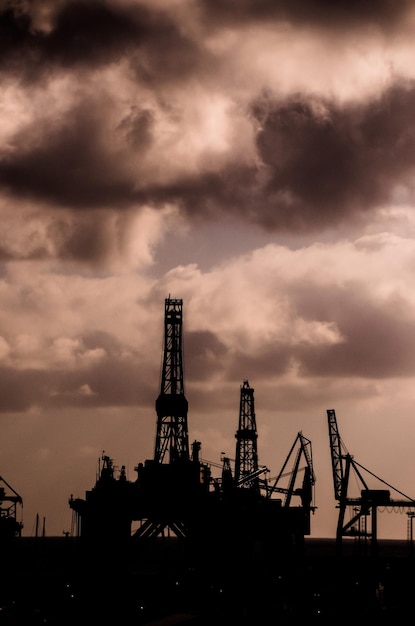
x=175, y=493
x=363, y=520
x=172, y=487
x=250, y=513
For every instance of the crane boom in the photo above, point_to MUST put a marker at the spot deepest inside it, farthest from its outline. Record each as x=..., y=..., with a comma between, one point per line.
x=336, y=454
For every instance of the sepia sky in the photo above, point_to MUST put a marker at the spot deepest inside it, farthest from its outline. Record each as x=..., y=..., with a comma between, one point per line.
x=255, y=158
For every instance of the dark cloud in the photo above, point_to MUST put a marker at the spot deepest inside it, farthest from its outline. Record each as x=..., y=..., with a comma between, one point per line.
x=90, y=33
x=323, y=164
x=111, y=382
x=20, y=389
x=87, y=241
x=102, y=339
x=320, y=163
x=268, y=362
x=93, y=33
x=111, y=378
x=15, y=40
x=158, y=44
x=137, y=127
x=69, y=165
x=204, y=353
x=326, y=162
x=377, y=341
x=377, y=336
x=90, y=238
x=325, y=13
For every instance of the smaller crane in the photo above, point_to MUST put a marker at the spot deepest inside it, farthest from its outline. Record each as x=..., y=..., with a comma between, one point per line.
x=362, y=506
x=302, y=449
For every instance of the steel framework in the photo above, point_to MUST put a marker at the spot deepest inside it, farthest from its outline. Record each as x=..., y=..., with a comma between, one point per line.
x=246, y=462
x=363, y=507
x=172, y=436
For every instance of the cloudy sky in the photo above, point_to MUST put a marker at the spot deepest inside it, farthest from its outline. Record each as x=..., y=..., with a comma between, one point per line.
x=255, y=158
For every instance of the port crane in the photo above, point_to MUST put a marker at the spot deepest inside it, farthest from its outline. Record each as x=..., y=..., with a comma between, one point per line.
x=361, y=507
x=300, y=450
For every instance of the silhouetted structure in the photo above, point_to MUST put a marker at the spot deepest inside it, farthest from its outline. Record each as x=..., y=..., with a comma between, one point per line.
x=172, y=435
x=362, y=523
x=236, y=518
x=103, y=517
x=302, y=449
x=212, y=550
x=171, y=487
x=246, y=464
x=10, y=502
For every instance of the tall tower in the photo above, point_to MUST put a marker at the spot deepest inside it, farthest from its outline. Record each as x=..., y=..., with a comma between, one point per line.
x=172, y=436
x=246, y=462
x=172, y=486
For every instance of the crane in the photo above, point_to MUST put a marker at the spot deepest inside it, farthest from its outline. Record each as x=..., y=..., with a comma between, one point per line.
x=367, y=503
x=300, y=449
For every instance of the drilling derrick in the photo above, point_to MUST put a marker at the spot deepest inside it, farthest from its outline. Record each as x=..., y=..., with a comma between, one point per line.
x=171, y=405
x=246, y=463
x=171, y=486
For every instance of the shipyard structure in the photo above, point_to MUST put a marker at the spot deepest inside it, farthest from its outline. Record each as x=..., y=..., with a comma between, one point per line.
x=239, y=517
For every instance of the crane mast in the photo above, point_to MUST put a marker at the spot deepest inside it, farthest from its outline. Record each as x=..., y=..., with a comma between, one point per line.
x=303, y=446
x=364, y=506
x=336, y=455
x=172, y=436
x=246, y=463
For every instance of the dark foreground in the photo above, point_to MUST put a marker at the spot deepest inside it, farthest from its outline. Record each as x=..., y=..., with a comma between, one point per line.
x=54, y=581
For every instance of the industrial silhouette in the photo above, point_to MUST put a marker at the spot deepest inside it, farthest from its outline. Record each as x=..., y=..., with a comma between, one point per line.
x=362, y=523
x=11, y=504
x=237, y=516
x=178, y=544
